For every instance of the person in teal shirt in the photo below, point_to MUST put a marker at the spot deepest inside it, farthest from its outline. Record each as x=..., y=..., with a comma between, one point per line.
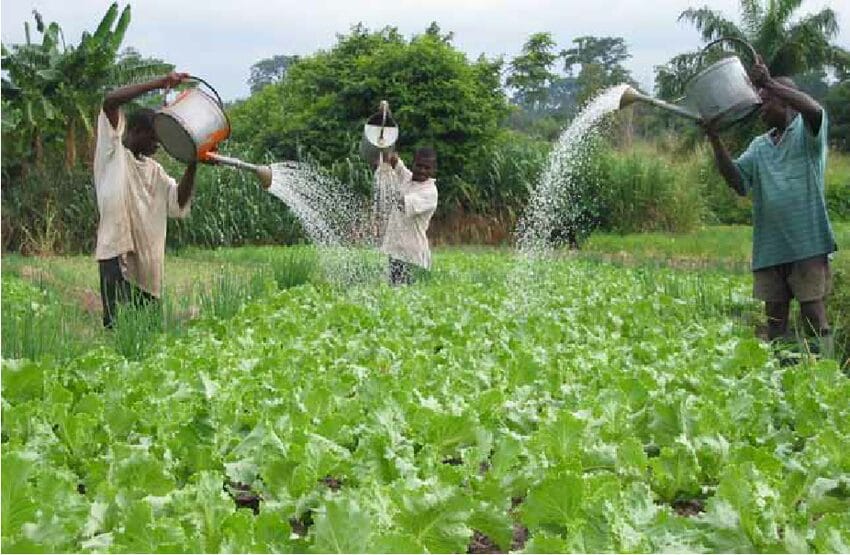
x=783, y=172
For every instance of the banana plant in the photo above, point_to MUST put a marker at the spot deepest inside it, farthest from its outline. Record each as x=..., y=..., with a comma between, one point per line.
x=57, y=88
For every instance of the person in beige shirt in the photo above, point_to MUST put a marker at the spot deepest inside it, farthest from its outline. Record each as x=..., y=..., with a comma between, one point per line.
x=135, y=197
x=414, y=202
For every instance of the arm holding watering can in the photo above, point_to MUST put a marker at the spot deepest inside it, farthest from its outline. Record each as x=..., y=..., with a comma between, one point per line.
x=724, y=160
x=781, y=101
x=784, y=91
x=141, y=139
x=114, y=99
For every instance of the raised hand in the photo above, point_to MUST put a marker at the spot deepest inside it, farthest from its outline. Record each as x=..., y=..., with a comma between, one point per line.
x=173, y=79
x=759, y=74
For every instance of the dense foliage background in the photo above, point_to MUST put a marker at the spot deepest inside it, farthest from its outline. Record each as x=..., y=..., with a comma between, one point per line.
x=492, y=122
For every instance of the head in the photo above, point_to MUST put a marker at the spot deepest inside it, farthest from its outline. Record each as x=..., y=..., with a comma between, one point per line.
x=774, y=111
x=140, y=136
x=424, y=164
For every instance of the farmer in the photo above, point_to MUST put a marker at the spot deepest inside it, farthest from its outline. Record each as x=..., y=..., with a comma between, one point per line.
x=413, y=202
x=134, y=197
x=783, y=171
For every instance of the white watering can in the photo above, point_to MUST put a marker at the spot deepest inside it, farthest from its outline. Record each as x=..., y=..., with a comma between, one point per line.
x=192, y=126
x=722, y=92
x=379, y=134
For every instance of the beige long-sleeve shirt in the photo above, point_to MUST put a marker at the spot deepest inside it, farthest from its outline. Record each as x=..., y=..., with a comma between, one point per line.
x=135, y=198
x=406, y=237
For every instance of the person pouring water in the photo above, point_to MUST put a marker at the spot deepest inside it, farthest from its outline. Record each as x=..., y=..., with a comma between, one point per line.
x=413, y=200
x=135, y=196
x=783, y=172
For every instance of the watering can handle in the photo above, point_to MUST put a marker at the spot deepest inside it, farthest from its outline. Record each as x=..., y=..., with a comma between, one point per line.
x=210, y=87
x=218, y=99
x=755, y=56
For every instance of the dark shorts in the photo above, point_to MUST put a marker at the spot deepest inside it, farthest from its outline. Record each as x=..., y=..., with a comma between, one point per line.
x=805, y=280
x=114, y=289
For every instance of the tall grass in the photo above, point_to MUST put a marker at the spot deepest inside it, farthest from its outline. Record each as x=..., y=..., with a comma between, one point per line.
x=644, y=192
x=40, y=319
x=639, y=187
x=838, y=185
x=36, y=323
x=228, y=292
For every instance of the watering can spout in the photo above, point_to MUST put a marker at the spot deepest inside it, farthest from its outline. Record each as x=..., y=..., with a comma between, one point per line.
x=264, y=173
x=632, y=95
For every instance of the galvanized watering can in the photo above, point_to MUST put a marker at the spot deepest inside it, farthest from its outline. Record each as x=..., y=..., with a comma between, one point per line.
x=721, y=93
x=379, y=134
x=193, y=125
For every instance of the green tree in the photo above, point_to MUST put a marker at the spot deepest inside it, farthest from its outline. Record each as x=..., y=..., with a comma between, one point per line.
x=270, y=70
x=437, y=95
x=600, y=62
x=838, y=106
x=790, y=45
x=530, y=72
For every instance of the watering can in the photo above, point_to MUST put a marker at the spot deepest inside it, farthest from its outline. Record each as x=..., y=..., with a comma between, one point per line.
x=722, y=92
x=379, y=134
x=192, y=126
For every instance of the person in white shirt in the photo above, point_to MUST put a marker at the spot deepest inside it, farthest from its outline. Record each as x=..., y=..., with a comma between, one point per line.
x=135, y=196
x=414, y=202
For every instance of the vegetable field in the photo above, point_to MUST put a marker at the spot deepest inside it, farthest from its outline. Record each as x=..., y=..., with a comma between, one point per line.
x=583, y=406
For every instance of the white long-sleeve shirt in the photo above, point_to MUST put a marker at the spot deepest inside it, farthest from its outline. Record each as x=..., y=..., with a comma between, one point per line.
x=406, y=237
x=135, y=197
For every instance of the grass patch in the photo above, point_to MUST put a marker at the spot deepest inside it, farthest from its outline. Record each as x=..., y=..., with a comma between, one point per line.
x=52, y=308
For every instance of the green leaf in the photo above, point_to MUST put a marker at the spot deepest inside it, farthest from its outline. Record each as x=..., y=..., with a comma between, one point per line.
x=140, y=532
x=396, y=542
x=436, y=519
x=22, y=380
x=495, y=523
x=215, y=506
x=138, y=471
x=675, y=473
x=555, y=502
x=18, y=507
x=631, y=459
x=561, y=440
x=272, y=531
x=545, y=542
x=832, y=534
x=342, y=527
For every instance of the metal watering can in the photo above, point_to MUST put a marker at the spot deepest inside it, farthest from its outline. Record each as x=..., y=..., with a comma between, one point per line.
x=722, y=92
x=379, y=134
x=193, y=125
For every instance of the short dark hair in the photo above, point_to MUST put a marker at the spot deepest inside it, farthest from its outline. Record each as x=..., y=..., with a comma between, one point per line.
x=141, y=120
x=426, y=152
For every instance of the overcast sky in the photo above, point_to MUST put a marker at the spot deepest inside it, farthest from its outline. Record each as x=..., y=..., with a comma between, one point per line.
x=220, y=39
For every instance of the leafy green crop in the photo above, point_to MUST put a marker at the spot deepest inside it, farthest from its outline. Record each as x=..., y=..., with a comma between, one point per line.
x=583, y=407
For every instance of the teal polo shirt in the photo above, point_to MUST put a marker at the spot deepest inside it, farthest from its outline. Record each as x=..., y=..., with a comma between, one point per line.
x=786, y=184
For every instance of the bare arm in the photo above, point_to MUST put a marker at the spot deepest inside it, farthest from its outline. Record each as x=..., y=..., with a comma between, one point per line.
x=115, y=98
x=724, y=162
x=187, y=185
x=808, y=107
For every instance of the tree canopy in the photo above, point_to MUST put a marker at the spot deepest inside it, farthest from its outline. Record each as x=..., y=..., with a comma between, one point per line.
x=437, y=96
x=790, y=45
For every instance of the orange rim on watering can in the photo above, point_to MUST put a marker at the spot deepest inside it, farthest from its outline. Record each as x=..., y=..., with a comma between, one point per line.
x=193, y=125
